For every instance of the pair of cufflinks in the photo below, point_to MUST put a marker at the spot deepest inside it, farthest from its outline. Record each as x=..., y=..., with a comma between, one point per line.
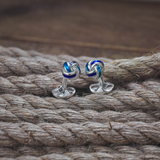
x=72, y=71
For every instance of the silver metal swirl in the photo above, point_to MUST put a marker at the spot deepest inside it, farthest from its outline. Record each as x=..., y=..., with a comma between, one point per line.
x=71, y=70
x=94, y=68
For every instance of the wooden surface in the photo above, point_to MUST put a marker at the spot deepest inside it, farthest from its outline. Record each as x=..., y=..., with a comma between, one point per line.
x=114, y=29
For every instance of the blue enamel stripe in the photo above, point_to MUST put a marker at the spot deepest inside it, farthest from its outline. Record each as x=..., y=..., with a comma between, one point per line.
x=71, y=76
x=79, y=70
x=92, y=74
x=99, y=70
x=87, y=67
x=97, y=61
x=67, y=67
x=73, y=62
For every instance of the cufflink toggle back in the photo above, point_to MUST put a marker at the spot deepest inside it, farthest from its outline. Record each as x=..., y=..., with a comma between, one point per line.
x=70, y=71
x=95, y=69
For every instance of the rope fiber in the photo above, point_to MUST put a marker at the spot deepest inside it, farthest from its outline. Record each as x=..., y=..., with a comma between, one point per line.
x=124, y=124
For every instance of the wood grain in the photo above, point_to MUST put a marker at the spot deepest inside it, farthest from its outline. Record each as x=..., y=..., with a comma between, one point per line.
x=126, y=29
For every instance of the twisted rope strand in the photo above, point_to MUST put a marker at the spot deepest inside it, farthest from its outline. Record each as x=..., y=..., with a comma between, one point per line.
x=86, y=156
x=23, y=66
x=116, y=71
x=59, y=58
x=40, y=151
x=51, y=134
x=118, y=100
x=18, y=113
x=35, y=84
x=17, y=52
x=36, y=109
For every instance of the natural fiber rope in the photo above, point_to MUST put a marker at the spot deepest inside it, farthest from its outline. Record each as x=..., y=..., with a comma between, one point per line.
x=86, y=156
x=35, y=109
x=78, y=109
x=23, y=66
x=73, y=123
x=35, y=84
x=116, y=71
x=18, y=114
x=51, y=134
x=40, y=151
x=118, y=100
x=17, y=52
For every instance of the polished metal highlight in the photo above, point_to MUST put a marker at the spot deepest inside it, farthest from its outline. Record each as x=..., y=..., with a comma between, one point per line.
x=70, y=71
x=94, y=68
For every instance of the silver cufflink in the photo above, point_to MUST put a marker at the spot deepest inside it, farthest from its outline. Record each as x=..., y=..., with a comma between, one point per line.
x=95, y=69
x=70, y=71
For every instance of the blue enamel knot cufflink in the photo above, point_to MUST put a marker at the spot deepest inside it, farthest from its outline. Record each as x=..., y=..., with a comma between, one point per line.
x=70, y=71
x=95, y=69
